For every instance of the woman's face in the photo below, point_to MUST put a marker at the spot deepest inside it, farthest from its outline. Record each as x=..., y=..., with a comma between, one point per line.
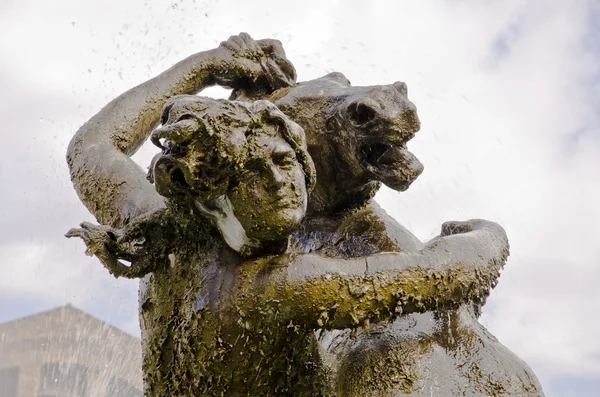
x=269, y=198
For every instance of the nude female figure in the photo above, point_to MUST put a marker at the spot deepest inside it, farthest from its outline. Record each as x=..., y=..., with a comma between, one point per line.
x=215, y=323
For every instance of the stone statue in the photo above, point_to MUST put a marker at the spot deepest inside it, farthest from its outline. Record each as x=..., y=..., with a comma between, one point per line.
x=266, y=268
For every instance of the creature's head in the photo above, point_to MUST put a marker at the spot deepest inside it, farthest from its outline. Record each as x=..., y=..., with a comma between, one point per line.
x=356, y=136
x=245, y=165
x=376, y=123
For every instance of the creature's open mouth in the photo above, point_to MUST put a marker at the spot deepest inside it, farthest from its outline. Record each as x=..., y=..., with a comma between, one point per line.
x=393, y=165
x=381, y=153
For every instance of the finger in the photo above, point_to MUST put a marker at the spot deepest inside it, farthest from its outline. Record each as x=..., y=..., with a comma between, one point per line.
x=89, y=226
x=249, y=42
x=275, y=51
x=272, y=46
x=237, y=40
x=231, y=44
x=91, y=250
x=288, y=69
x=453, y=227
x=75, y=232
x=226, y=45
x=275, y=75
x=135, y=243
x=491, y=227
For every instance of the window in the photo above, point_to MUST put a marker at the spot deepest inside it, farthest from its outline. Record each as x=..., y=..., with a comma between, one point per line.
x=118, y=387
x=9, y=382
x=63, y=379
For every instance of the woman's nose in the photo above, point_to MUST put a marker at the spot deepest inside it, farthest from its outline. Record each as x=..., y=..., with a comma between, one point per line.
x=277, y=178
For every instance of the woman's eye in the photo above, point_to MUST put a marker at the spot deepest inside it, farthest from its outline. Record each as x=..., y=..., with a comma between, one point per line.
x=285, y=160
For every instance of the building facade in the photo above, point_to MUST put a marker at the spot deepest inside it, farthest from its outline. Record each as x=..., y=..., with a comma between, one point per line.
x=66, y=352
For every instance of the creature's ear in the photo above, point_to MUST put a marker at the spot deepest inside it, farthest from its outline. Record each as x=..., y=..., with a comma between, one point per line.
x=401, y=87
x=339, y=78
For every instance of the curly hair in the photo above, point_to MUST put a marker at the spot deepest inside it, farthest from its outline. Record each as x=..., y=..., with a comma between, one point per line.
x=204, y=144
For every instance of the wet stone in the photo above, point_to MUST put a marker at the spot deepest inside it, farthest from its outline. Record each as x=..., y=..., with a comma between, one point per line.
x=266, y=268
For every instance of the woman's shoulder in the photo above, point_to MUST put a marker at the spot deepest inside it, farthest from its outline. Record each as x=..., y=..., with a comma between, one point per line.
x=361, y=232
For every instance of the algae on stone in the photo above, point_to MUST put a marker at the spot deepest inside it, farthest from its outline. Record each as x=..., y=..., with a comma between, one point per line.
x=266, y=268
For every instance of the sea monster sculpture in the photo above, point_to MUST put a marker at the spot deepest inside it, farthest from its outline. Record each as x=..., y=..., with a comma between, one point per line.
x=259, y=279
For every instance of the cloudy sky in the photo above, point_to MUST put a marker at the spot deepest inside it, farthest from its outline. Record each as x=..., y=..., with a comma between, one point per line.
x=509, y=97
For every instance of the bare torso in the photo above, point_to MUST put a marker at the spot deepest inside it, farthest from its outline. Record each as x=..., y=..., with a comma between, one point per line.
x=228, y=348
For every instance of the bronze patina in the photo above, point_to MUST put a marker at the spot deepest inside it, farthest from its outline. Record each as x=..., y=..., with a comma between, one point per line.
x=266, y=267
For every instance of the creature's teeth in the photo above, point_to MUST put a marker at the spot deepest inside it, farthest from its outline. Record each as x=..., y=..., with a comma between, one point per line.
x=390, y=156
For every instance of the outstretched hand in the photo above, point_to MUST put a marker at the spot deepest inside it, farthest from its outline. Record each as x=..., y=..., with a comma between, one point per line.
x=111, y=246
x=100, y=240
x=255, y=64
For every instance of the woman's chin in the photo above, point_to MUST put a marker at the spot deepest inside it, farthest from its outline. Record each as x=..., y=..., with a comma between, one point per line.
x=280, y=227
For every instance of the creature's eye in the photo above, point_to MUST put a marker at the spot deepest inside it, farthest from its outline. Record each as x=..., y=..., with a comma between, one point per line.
x=361, y=113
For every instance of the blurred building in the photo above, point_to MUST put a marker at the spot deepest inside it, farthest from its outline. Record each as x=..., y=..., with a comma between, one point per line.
x=68, y=353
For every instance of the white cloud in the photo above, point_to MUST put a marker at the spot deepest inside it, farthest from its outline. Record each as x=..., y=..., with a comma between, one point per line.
x=502, y=90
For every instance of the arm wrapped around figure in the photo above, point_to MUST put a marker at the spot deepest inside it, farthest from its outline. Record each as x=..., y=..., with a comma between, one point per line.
x=322, y=292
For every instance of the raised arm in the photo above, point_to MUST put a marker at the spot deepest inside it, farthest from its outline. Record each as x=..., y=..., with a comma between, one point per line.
x=108, y=182
x=460, y=265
